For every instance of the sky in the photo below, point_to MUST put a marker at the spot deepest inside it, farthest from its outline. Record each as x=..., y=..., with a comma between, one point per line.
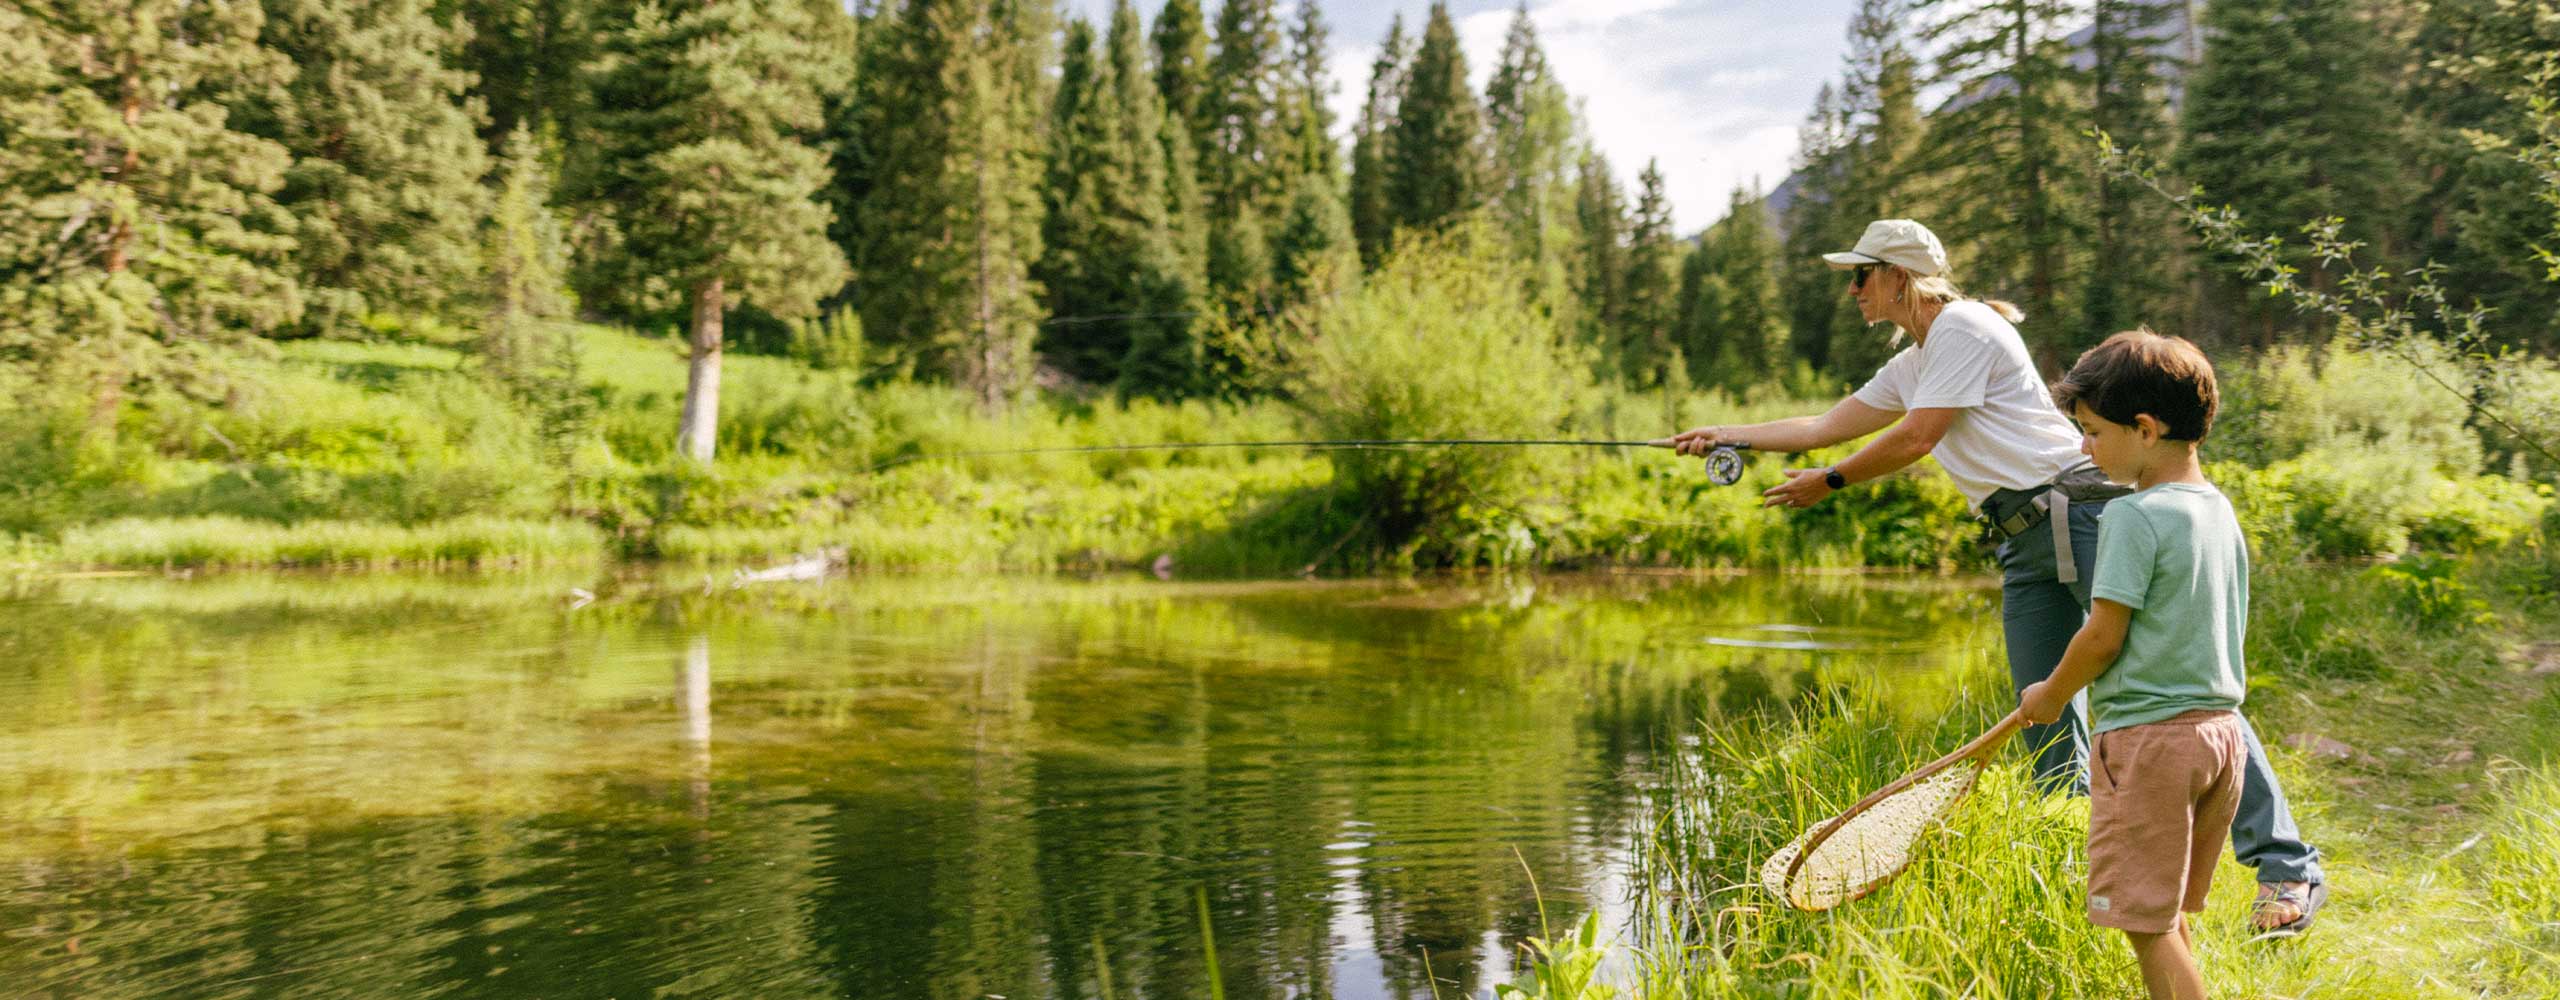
x=1712, y=89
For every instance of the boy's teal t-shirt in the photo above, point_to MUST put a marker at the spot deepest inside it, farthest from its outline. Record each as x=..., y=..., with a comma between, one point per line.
x=2174, y=554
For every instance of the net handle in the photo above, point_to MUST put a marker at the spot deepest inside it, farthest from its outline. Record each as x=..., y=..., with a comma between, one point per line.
x=1976, y=753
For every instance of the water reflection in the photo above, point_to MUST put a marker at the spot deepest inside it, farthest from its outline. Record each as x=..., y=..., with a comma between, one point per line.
x=693, y=698
x=389, y=786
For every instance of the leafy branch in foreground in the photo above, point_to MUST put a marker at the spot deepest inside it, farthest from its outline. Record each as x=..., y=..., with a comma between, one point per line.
x=2374, y=307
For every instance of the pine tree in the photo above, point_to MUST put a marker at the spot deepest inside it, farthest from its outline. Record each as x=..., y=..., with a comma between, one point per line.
x=526, y=250
x=2131, y=231
x=1437, y=172
x=852, y=136
x=1181, y=38
x=2005, y=153
x=1081, y=127
x=1246, y=163
x=1698, y=328
x=1240, y=263
x=1652, y=284
x=139, y=225
x=1880, y=94
x=2287, y=122
x=1857, y=156
x=1312, y=248
x=1164, y=353
x=1110, y=267
x=1309, y=121
x=1827, y=333
x=1373, y=219
x=1530, y=120
x=1733, y=318
x=952, y=221
x=2469, y=127
x=695, y=157
x=1600, y=272
x=1313, y=253
x=385, y=186
x=524, y=58
x=1878, y=155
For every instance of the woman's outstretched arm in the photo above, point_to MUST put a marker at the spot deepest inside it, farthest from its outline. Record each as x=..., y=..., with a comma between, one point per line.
x=1844, y=421
x=1910, y=440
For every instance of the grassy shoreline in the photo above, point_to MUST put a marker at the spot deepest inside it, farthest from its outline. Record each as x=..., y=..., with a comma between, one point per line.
x=2430, y=781
x=402, y=453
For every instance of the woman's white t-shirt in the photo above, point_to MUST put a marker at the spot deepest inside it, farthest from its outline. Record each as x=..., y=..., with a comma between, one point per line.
x=2008, y=434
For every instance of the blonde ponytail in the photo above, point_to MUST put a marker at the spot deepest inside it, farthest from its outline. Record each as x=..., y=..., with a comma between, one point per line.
x=1939, y=289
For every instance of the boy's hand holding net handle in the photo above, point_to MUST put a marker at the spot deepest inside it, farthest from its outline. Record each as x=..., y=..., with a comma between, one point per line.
x=1894, y=817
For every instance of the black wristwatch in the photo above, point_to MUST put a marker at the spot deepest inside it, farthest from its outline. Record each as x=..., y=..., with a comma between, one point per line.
x=1831, y=477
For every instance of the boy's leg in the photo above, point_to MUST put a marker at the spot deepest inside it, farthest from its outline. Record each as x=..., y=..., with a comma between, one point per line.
x=2168, y=964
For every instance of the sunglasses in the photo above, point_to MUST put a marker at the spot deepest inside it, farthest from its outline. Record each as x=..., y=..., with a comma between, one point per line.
x=1858, y=276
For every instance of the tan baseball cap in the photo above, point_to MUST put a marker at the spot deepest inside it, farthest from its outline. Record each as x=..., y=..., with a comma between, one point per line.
x=1895, y=241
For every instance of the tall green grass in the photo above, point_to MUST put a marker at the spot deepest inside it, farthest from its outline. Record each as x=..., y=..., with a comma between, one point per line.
x=227, y=542
x=1992, y=906
x=2519, y=878
x=2325, y=456
x=1989, y=907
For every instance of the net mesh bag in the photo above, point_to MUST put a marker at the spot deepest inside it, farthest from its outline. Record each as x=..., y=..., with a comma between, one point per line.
x=1869, y=849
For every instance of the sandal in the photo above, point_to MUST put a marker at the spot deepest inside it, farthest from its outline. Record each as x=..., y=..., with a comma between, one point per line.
x=2304, y=897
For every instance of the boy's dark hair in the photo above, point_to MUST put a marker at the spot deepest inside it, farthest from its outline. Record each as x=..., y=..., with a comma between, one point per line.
x=2137, y=372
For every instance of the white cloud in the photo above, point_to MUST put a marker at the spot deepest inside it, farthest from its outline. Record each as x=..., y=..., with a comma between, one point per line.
x=1712, y=91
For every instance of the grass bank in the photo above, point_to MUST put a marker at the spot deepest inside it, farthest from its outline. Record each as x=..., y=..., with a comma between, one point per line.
x=2421, y=752
x=399, y=453
x=402, y=452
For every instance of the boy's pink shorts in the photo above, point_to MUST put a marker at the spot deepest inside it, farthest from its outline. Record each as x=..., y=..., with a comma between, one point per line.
x=2161, y=798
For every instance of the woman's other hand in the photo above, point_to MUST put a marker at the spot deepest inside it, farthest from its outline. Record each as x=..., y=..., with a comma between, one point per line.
x=1695, y=442
x=1803, y=488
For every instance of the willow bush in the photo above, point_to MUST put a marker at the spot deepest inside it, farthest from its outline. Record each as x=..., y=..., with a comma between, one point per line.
x=1443, y=341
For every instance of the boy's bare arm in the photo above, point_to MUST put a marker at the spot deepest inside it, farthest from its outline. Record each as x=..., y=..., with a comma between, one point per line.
x=2092, y=651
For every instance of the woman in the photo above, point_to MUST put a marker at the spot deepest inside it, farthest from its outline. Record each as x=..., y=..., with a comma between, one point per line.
x=1967, y=392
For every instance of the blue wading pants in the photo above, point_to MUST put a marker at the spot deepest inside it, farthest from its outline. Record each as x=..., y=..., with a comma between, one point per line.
x=2040, y=614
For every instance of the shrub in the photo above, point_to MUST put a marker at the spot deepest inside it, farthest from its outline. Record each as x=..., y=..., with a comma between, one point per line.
x=2529, y=398
x=2429, y=591
x=2477, y=512
x=2293, y=401
x=1442, y=342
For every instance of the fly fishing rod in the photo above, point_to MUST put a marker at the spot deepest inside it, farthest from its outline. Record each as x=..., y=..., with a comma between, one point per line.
x=1724, y=462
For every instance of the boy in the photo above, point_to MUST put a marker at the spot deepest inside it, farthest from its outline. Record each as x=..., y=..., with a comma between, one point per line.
x=2160, y=653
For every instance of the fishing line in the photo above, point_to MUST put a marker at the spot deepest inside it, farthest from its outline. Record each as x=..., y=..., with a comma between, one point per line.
x=1724, y=462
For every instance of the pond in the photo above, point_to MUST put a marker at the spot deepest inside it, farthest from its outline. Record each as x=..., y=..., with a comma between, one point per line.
x=884, y=787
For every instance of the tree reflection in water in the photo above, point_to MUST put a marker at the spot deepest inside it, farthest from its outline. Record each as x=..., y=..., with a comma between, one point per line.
x=394, y=786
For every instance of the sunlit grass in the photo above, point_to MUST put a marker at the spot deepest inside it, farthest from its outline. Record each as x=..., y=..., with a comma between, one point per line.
x=1992, y=906
x=2443, y=850
x=227, y=542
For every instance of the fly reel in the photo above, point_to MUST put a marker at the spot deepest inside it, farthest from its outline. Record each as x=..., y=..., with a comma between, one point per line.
x=1724, y=464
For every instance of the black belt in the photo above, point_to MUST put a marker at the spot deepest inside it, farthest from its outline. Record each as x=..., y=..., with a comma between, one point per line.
x=2010, y=513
